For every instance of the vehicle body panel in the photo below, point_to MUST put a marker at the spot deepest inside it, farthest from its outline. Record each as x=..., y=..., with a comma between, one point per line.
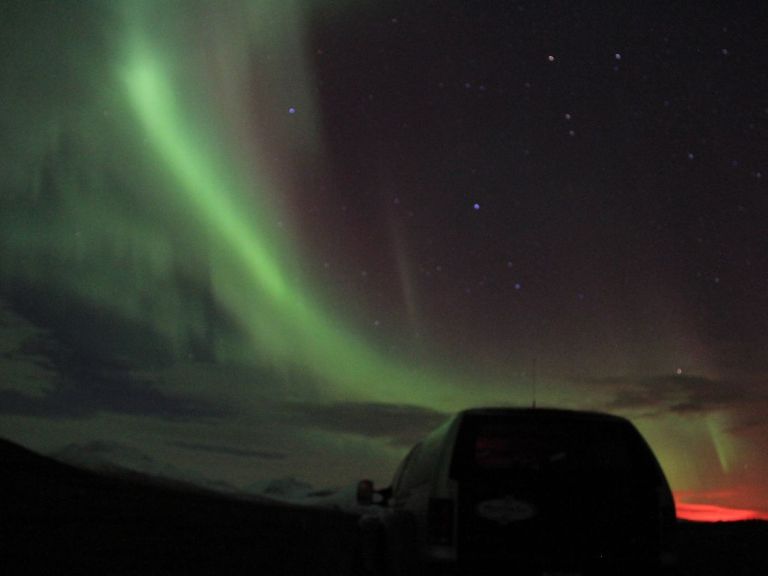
x=538, y=489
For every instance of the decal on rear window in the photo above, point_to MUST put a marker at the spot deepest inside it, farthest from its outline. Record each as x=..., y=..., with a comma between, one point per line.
x=506, y=510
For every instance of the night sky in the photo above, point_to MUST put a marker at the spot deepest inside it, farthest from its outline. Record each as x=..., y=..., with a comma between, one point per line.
x=283, y=238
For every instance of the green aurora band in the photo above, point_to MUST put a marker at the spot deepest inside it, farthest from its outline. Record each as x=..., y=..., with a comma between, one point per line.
x=250, y=267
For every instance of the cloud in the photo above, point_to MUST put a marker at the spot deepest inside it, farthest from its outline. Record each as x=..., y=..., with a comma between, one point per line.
x=401, y=424
x=677, y=394
x=749, y=423
x=117, y=396
x=24, y=370
x=53, y=368
x=221, y=449
x=79, y=385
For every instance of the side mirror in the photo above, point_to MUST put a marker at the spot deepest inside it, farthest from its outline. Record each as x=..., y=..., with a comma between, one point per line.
x=365, y=492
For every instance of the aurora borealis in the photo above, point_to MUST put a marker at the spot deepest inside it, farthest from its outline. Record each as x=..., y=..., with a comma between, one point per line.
x=311, y=229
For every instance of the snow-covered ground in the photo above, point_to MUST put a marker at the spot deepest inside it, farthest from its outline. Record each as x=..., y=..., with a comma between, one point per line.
x=114, y=457
x=288, y=489
x=296, y=491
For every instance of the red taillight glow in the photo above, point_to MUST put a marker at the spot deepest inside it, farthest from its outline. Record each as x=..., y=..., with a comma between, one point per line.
x=440, y=521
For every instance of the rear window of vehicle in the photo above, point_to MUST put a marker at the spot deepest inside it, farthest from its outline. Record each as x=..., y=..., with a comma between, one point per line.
x=529, y=442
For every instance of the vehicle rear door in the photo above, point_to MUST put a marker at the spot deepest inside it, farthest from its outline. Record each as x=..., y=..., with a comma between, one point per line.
x=541, y=493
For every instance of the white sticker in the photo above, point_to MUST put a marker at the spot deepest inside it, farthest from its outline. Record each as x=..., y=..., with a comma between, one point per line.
x=506, y=510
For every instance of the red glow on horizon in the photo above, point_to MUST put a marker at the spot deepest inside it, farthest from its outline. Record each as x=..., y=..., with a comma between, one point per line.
x=714, y=513
x=717, y=505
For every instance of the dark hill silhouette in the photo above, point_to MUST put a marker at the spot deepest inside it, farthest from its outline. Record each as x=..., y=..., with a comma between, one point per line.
x=55, y=518
x=719, y=548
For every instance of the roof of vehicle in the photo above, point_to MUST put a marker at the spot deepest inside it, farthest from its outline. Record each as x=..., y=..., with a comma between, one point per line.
x=544, y=412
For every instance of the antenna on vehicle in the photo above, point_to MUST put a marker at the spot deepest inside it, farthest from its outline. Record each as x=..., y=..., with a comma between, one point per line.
x=533, y=384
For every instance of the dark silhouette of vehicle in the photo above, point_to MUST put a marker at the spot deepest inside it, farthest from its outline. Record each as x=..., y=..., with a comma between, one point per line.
x=523, y=491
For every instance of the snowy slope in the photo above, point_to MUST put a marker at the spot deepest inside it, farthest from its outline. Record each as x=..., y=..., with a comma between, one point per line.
x=301, y=493
x=117, y=458
x=289, y=489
